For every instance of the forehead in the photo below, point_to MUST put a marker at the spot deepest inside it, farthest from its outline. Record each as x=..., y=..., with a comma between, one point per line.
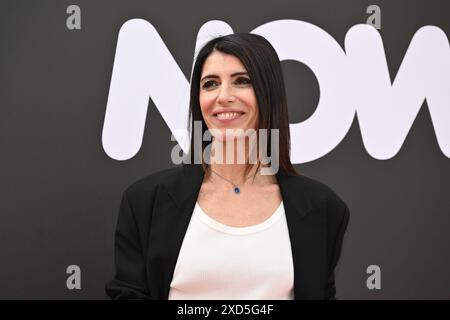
x=218, y=62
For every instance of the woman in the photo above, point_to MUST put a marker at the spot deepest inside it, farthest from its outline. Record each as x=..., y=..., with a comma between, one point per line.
x=224, y=229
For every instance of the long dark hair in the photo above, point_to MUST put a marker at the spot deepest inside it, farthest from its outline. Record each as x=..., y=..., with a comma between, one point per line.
x=264, y=69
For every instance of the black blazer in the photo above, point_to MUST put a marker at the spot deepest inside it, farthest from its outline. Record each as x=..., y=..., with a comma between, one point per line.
x=155, y=212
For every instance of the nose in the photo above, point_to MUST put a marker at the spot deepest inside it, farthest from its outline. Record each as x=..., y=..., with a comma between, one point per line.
x=225, y=94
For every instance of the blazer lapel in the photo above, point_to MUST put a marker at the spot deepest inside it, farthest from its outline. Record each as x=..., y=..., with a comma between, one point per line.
x=171, y=216
x=173, y=210
x=307, y=232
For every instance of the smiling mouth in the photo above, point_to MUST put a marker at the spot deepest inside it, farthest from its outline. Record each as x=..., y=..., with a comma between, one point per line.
x=228, y=115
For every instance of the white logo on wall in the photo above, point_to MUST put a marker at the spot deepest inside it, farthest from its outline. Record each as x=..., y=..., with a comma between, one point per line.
x=354, y=81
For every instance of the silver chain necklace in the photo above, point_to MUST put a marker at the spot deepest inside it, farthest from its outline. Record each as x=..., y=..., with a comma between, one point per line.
x=236, y=189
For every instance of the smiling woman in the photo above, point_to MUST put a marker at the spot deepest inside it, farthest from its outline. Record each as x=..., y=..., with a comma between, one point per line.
x=209, y=231
x=227, y=98
x=240, y=87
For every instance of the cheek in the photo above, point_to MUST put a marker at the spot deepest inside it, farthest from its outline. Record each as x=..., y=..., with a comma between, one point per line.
x=206, y=103
x=252, y=104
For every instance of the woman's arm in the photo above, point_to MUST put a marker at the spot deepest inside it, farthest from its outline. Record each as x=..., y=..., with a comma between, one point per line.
x=130, y=278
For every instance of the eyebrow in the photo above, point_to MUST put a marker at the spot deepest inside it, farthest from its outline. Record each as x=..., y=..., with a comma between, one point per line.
x=216, y=76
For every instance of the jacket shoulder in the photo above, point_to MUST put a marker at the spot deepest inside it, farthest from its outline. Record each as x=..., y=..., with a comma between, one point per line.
x=319, y=194
x=146, y=186
x=337, y=212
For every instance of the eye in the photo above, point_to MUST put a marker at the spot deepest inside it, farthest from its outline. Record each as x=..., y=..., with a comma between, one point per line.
x=209, y=84
x=243, y=81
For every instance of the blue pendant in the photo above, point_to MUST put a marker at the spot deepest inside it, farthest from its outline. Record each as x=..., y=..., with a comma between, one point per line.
x=237, y=190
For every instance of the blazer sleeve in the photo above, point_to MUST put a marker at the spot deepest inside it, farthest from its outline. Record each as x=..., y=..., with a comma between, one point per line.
x=129, y=281
x=338, y=226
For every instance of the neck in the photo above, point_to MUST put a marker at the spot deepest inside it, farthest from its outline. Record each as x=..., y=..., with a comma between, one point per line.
x=234, y=172
x=232, y=167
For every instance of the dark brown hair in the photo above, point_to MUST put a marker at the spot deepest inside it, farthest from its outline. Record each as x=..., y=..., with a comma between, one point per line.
x=264, y=69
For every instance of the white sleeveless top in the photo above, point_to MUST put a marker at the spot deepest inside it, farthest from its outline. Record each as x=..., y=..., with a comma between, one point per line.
x=217, y=261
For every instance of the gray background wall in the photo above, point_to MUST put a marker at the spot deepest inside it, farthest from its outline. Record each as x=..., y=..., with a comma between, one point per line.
x=60, y=191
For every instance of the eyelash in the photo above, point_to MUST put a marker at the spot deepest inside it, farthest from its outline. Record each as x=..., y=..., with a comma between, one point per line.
x=206, y=85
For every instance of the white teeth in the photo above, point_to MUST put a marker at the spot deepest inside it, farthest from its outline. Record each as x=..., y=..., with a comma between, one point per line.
x=228, y=115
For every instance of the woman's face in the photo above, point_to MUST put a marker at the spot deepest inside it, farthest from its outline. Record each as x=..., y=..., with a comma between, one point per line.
x=227, y=99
